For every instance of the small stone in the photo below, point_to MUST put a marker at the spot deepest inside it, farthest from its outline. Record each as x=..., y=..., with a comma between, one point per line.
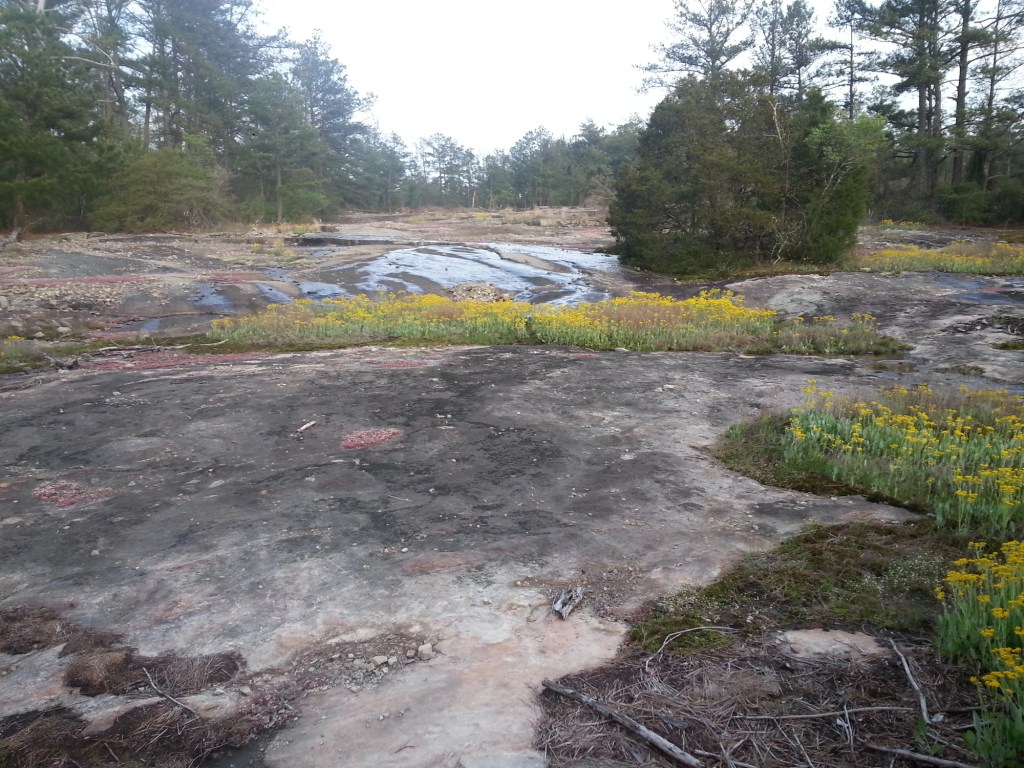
x=95, y=552
x=245, y=690
x=379, y=660
x=425, y=651
x=63, y=329
x=392, y=660
x=410, y=654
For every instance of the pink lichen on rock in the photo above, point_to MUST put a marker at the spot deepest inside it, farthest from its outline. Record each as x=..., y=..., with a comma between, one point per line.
x=396, y=363
x=41, y=282
x=65, y=493
x=151, y=361
x=368, y=437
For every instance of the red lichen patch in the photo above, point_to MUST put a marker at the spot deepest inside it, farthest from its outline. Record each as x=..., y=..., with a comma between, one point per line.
x=116, y=336
x=9, y=270
x=236, y=357
x=395, y=363
x=65, y=493
x=368, y=437
x=39, y=282
x=158, y=359
x=232, y=277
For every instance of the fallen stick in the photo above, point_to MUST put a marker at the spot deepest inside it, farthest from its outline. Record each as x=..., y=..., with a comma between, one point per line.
x=732, y=762
x=663, y=745
x=910, y=676
x=811, y=715
x=11, y=239
x=304, y=427
x=167, y=695
x=919, y=758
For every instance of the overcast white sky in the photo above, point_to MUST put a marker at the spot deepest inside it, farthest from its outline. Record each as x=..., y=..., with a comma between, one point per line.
x=485, y=72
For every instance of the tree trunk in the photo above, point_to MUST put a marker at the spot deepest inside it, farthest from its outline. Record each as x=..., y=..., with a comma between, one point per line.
x=923, y=135
x=960, y=124
x=853, y=74
x=280, y=197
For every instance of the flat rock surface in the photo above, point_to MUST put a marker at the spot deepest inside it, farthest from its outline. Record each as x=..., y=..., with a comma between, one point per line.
x=443, y=495
x=504, y=475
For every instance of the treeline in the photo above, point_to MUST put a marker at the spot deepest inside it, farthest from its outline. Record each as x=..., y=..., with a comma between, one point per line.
x=156, y=114
x=775, y=140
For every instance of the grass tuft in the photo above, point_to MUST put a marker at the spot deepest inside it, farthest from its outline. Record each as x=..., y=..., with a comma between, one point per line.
x=712, y=321
x=844, y=576
x=983, y=258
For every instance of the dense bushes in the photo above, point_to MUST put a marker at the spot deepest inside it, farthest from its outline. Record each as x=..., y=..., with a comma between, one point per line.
x=162, y=191
x=727, y=173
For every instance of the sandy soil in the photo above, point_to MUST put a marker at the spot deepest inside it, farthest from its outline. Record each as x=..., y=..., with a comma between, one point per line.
x=442, y=498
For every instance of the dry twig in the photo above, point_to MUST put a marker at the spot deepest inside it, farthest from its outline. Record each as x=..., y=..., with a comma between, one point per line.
x=167, y=695
x=920, y=694
x=811, y=715
x=675, y=635
x=919, y=758
x=663, y=745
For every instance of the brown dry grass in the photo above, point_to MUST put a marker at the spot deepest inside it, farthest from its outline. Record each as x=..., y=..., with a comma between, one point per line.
x=123, y=671
x=752, y=705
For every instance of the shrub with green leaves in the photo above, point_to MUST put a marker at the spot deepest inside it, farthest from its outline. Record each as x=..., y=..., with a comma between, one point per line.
x=162, y=191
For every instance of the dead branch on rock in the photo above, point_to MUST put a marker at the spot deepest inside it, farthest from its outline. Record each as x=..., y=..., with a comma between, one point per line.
x=167, y=695
x=811, y=715
x=11, y=239
x=567, y=601
x=919, y=758
x=917, y=688
x=676, y=635
x=650, y=737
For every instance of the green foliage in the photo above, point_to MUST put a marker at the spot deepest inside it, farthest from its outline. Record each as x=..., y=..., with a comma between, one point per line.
x=50, y=143
x=642, y=321
x=833, y=576
x=980, y=627
x=162, y=191
x=729, y=173
x=966, y=205
x=956, y=456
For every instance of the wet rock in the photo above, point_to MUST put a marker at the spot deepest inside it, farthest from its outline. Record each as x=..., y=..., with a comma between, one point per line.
x=425, y=651
x=478, y=292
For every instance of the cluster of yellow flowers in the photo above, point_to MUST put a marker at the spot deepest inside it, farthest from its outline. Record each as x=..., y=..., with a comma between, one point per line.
x=960, y=257
x=981, y=625
x=984, y=613
x=970, y=458
x=637, y=321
